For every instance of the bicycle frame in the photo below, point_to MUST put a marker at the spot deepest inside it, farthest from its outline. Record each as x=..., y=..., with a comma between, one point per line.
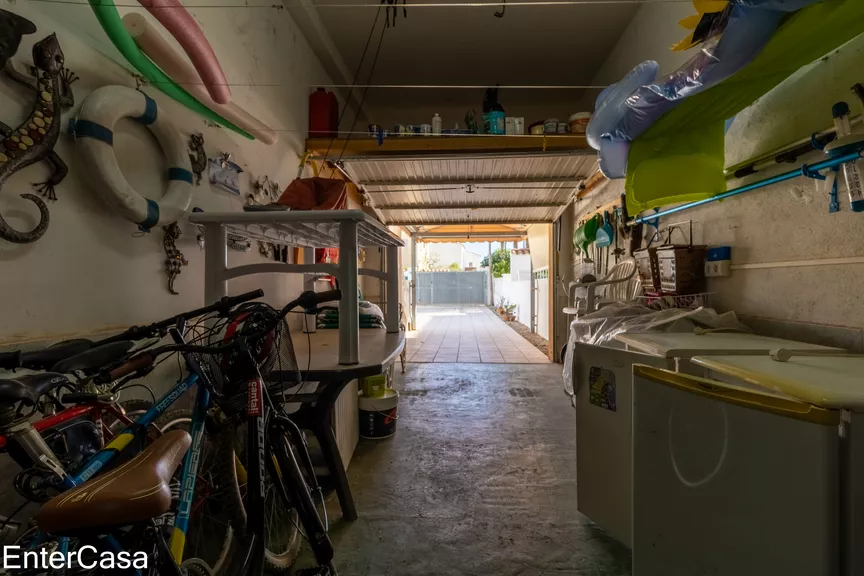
x=190, y=464
x=94, y=410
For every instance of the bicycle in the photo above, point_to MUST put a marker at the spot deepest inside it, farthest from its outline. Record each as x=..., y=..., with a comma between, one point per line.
x=255, y=342
x=24, y=392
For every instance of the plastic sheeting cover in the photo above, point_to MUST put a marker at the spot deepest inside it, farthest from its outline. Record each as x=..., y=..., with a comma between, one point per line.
x=600, y=328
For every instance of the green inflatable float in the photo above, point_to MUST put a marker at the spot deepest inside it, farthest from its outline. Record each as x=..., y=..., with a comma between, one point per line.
x=681, y=158
x=108, y=17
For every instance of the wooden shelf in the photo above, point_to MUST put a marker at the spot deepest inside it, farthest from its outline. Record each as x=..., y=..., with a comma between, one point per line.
x=401, y=145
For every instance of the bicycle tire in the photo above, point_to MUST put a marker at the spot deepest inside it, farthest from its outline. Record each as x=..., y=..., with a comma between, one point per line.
x=227, y=502
x=275, y=561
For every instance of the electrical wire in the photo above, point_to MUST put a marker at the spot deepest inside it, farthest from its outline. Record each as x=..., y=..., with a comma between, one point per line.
x=362, y=98
x=351, y=89
x=279, y=7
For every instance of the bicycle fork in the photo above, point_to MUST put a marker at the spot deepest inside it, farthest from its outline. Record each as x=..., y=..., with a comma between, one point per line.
x=289, y=480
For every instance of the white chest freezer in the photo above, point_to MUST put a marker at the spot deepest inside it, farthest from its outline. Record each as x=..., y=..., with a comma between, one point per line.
x=830, y=382
x=603, y=385
x=729, y=481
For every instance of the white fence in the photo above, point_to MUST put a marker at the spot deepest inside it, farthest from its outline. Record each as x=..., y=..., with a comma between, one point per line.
x=516, y=287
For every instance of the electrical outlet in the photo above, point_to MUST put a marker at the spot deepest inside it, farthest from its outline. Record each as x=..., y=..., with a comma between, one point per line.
x=718, y=268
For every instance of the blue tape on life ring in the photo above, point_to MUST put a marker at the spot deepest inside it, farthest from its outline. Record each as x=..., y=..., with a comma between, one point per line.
x=150, y=112
x=87, y=129
x=181, y=174
x=152, y=216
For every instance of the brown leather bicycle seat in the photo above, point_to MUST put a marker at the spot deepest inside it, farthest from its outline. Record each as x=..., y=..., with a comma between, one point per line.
x=136, y=491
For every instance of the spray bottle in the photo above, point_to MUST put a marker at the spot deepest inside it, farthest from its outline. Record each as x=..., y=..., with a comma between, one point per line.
x=847, y=142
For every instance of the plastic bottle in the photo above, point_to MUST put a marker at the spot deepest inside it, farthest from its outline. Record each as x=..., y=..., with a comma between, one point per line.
x=493, y=113
x=436, y=124
x=851, y=170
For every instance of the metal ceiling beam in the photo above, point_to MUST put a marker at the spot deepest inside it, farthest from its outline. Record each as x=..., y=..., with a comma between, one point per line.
x=513, y=235
x=460, y=155
x=475, y=182
x=470, y=206
x=464, y=222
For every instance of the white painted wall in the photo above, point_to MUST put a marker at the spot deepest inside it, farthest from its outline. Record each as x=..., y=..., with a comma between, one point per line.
x=769, y=225
x=92, y=271
x=516, y=287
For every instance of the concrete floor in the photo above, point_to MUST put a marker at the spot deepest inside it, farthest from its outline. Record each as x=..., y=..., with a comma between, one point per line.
x=467, y=334
x=480, y=479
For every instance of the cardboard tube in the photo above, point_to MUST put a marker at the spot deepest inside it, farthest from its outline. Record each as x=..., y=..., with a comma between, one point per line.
x=180, y=24
x=163, y=55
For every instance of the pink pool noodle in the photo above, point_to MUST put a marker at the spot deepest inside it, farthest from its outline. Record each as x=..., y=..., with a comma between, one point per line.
x=180, y=24
x=163, y=55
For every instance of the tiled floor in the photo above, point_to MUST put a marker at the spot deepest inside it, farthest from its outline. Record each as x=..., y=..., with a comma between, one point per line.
x=471, y=334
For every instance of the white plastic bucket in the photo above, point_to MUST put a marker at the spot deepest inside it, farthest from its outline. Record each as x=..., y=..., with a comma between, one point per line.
x=378, y=415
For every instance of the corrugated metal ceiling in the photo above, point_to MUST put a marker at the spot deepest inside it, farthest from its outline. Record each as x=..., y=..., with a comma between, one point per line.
x=509, y=188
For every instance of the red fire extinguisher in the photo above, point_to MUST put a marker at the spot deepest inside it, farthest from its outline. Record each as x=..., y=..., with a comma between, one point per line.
x=323, y=114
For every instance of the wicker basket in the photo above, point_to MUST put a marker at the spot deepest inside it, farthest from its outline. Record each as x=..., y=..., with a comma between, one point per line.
x=681, y=269
x=649, y=270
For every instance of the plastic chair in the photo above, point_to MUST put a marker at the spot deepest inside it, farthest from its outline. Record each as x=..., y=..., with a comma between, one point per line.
x=620, y=285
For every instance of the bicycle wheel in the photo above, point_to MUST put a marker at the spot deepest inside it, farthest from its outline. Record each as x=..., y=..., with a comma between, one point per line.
x=283, y=535
x=209, y=535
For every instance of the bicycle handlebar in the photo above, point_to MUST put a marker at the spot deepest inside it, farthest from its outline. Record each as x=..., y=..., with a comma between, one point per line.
x=225, y=304
x=308, y=300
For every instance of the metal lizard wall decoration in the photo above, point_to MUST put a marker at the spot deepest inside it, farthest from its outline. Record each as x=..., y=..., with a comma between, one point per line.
x=33, y=141
x=174, y=259
x=199, y=158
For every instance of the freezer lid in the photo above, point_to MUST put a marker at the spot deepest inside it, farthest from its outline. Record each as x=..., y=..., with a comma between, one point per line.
x=689, y=344
x=827, y=381
x=729, y=393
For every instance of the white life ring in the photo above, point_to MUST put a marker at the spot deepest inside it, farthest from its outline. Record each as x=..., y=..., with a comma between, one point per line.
x=94, y=138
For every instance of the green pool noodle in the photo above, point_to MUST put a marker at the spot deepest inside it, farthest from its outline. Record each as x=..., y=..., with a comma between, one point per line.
x=110, y=20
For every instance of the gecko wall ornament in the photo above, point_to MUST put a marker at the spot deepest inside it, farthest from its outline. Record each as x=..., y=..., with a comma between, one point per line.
x=198, y=158
x=33, y=141
x=174, y=259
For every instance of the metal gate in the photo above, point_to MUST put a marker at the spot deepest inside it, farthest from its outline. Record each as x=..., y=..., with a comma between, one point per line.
x=452, y=287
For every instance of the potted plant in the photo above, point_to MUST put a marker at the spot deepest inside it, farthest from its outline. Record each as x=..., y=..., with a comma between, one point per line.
x=502, y=302
x=509, y=309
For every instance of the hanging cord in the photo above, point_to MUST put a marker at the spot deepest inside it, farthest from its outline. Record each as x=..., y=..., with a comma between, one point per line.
x=500, y=14
x=362, y=99
x=351, y=89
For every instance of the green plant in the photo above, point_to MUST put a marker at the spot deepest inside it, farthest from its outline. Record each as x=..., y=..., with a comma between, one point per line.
x=454, y=267
x=500, y=262
x=510, y=308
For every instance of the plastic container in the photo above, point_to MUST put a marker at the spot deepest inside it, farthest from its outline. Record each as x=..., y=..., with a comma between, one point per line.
x=375, y=386
x=846, y=142
x=579, y=122
x=682, y=269
x=436, y=124
x=550, y=126
x=323, y=114
x=519, y=126
x=378, y=416
x=536, y=129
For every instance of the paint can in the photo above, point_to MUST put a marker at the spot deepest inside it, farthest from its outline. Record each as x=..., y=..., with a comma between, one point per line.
x=378, y=415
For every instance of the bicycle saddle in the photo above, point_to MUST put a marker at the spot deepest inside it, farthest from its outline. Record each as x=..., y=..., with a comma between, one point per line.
x=94, y=358
x=29, y=387
x=134, y=492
